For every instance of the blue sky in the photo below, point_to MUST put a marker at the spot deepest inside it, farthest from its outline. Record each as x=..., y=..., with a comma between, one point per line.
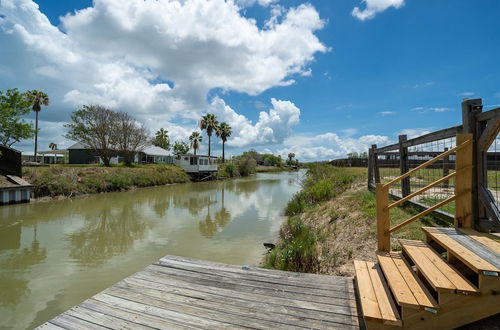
x=339, y=81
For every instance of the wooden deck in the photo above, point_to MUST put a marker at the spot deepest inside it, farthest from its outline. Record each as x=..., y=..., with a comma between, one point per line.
x=177, y=292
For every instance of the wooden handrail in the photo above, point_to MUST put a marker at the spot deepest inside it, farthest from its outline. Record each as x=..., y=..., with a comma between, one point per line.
x=427, y=163
x=424, y=213
x=424, y=189
x=462, y=195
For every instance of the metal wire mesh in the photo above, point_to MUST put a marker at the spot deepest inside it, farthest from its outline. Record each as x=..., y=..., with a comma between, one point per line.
x=389, y=168
x=423, y=152
x=493, y=168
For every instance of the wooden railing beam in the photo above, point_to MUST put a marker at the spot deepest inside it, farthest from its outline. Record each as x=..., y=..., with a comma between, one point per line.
x=424, y=189
x=463, y=182
x=383, y=224
x=424, y=213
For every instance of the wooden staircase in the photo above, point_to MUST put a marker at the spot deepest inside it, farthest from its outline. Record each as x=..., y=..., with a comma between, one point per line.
x=450, y=280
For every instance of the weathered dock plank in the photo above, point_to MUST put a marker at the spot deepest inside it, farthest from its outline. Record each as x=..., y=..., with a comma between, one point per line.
x=181, y=293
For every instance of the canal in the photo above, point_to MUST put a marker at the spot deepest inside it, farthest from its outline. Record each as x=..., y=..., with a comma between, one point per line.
x=53, y=255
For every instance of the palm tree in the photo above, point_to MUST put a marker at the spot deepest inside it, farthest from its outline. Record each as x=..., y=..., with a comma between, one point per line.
x=52, y=146
x=209, y=123
x=161, y=139
x=291, y=156
x=223, y=131
x=37, y=99
x=195, y=140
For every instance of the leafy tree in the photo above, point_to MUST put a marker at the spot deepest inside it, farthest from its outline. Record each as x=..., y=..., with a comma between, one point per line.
x=291, y=156
x=13, y=105
x=93, y=125
x=37, y=99
x=161, y=139
x=272, y=159
x=223, y=131
x=180, y=148
x=131, y=136
x=252, y=154
x=195, y=140
x=209, y=123
x=353, y=155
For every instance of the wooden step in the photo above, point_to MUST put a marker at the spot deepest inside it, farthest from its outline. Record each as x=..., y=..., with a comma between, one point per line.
x=441, y=276
x=376, y=301
x=406, y=287
x=476, y=251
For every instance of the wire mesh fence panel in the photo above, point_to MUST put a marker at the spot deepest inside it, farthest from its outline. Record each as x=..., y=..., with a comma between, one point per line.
x=421, y=153
x=388, y=164
x=493, y=168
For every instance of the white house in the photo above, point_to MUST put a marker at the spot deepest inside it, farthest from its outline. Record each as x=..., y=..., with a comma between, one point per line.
x=197, y=163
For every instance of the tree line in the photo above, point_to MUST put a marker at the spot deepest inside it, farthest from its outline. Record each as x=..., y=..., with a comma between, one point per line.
x=208, y=123
x=15, y=104
x=99, y=128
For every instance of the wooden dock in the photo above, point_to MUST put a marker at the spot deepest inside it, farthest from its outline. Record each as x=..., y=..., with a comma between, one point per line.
x=177, y=292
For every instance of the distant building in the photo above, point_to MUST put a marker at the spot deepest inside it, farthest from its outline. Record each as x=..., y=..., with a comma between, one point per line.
x=79, y=153
x=154, y=155
x=46, y=157
x=201, y=166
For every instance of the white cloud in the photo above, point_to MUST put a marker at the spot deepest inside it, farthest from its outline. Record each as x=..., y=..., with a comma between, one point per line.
x=373, y=7
x=432, y=109
x=249, y=3
x=441, y=109
x=349, y=131
x=329, y=145
x=466, y=94
x=273, y=127
x=158, y=59
x=387, y=113
x=414, y=132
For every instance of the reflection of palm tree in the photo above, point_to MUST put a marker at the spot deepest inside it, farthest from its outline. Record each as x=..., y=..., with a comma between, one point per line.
x=208, y=227
x=222, y=217
x=15, y=289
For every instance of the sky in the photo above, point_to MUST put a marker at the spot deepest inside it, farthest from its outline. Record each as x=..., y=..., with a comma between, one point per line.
x=319, y=78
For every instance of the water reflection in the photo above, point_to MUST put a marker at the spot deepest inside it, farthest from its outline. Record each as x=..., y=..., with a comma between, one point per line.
x=96, y=241
x=13, y=288
x=111, y=232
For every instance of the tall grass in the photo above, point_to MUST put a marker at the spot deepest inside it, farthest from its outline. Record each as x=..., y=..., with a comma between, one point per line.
x=321, y=183
x=72, y=181
x=297, y=246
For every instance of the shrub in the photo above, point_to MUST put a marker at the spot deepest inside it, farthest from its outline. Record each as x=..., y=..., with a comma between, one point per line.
x=231, y=170
x=246, y=166
x=297, y=251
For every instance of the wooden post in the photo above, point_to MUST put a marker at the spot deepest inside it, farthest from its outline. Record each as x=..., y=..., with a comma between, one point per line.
x=370, y=168
x=404, y=166
x=376, y=171
x=446, y=169
x=470, y=109
x=463, y=182
x=383, y=221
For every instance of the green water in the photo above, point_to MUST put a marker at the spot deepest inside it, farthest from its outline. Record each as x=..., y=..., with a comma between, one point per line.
x=53, y=255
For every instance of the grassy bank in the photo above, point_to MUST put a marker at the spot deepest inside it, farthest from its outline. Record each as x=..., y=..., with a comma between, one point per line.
x=79, y=180
x=271, y=169
x=332, y=221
